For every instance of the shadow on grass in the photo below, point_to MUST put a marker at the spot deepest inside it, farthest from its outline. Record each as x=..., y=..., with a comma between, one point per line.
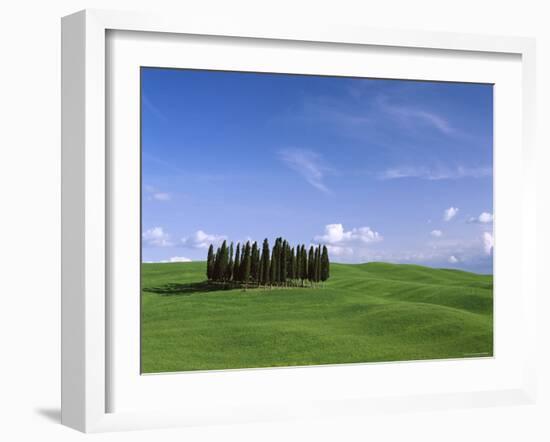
x=173, y=289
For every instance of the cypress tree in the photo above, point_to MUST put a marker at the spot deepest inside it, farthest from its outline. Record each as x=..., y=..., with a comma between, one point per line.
x=241, y=268
x=274, y=265
x=223, y=260
x=229, y=269
x=237, y=264
x=304, y=273
x=210, y=263
x=265, y=263
x=318, y=264
x=295, y=270
x=254, y=262
x=311, y=264
x=291, y=265
x=283, y=263
x=259, y=264
x=298, y=269
x=325, y=265
x=277, y=262
x=245, y=265
x=260, y=268
x=216, y=272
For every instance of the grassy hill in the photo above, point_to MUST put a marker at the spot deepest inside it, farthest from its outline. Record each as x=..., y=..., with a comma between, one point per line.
x=365, y=313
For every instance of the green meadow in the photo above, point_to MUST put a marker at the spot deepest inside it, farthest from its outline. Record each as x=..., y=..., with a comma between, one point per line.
x=364, y=313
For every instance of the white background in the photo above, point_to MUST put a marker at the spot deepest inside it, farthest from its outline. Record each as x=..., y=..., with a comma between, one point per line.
x=30, y=182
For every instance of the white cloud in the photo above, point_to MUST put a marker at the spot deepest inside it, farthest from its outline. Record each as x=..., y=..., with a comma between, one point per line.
x=415, y=115
x=154, y=194
x=435, y=173
x=488, y=243
x=202, y=240
x=339, y=251
x=161, y=196
x=450, y=213
x=172, y=259
x=444, y=251
x=308, y=164
x=436, y=233
x=336, y=235
x=483, y=218
x=179, y=259
x=156, y=237
x=351, y=244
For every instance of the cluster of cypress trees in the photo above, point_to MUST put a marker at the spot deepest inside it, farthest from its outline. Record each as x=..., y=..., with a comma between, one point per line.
x=282, y=266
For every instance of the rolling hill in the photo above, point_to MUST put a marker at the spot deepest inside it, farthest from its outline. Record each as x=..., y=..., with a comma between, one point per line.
x=365, y=313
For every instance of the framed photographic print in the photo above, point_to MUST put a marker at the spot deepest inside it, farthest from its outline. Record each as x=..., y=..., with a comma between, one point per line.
x=271, y=223
x=302, y=220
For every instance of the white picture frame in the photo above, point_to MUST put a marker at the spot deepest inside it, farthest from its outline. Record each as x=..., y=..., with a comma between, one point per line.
x=87, y=203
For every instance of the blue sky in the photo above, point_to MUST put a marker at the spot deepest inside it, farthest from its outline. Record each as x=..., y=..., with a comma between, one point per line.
x=378, y=170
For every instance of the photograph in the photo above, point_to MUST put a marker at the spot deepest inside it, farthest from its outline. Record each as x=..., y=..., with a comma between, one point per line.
x=292, y=220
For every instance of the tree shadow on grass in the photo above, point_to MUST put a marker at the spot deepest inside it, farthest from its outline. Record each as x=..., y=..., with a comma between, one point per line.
x=174, y=289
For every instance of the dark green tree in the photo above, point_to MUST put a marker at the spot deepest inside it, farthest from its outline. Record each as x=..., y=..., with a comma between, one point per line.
x=311, y=264
x=254, y=263
x=210, y=263
x=298, y=271
x=325, y=265
x=245, y=265
x=264, y=263
x=305, y=270
x=237, y=264
x=224, y=260
x=278, y=245
x=283, y=263
x=318, y=264
x=229, y=268
x=216, y=273
x=274, y=265
x=291, y=265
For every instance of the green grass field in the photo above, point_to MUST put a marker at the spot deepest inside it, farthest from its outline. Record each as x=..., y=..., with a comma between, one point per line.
x=365, y=313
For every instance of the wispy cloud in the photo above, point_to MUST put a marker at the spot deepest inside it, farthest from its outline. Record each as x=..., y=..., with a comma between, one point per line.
x=308, y=164
x=170, y=166
x=410, y=114
x=154, y=194
x=334, y=114
x=435, y=173
x=149, y=106
x=161, y=196
x=436, y=233
x=450, y=213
